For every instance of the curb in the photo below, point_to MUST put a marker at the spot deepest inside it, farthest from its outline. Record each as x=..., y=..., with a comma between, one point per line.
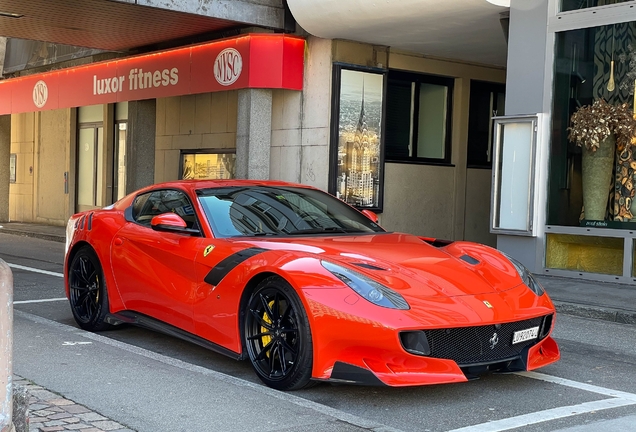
x=43, y=236
x=596, y=312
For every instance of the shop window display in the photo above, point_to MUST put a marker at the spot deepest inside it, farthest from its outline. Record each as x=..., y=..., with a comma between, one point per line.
x=208, y=164
x=593, y=119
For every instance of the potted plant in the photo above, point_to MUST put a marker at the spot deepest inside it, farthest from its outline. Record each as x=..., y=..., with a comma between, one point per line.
x=600, y=130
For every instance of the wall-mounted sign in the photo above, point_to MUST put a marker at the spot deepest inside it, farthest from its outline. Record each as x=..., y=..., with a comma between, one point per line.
x=513, y=201
x=251, y=61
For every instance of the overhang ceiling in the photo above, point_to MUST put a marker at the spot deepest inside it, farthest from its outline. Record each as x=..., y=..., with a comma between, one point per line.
x=103, y=24
x=467, y=30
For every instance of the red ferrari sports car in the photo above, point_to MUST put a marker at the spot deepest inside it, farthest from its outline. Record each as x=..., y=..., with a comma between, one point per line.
x=304, y=286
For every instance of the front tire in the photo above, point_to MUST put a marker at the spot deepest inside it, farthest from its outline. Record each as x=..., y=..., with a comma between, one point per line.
x=87, y=290
x=278, y=337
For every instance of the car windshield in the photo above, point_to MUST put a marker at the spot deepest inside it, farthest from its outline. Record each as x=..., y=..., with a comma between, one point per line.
x=275, y=211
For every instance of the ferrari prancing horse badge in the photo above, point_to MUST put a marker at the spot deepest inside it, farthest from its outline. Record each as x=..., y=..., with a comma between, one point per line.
x=207, y=250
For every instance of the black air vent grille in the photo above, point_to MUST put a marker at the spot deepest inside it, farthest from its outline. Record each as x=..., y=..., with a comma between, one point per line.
x=475, y=345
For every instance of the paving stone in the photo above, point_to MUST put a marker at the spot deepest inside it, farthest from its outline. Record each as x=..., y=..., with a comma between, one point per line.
x=92, y=430
x=37, y=406
x=43, y=413
x=77, y=426
x=91, y=417
x=52, y=429
x=60, y=416
x=44, y=394
x=55, y=423
x=60, y=401
x=76, y=409
x=107, y=425
x=35, y=426
x=71, y=420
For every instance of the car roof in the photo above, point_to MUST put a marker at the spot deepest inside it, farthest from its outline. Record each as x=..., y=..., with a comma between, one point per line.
x=193, y=185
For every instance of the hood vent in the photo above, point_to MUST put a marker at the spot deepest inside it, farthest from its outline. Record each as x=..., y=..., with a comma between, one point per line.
x=469, y=259
x=369, y=266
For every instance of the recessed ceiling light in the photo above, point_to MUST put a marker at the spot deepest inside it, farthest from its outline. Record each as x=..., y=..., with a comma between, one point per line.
x=10, y=15
x=504, y=3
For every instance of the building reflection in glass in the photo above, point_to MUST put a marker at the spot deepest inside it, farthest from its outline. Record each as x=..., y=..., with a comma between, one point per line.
x=359, y=138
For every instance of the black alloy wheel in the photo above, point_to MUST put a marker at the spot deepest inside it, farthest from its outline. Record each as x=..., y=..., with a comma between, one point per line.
x=277, y=336
x=87, y=290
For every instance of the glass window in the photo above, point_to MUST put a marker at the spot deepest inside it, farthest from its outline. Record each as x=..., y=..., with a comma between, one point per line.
x=568, y=5
x=208, y=164
x=591, y=180
x=271, y=211
x=487, y=100
x=418, y=118
x=151, y=204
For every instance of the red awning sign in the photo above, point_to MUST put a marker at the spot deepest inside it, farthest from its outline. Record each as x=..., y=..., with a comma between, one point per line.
x=251, y=61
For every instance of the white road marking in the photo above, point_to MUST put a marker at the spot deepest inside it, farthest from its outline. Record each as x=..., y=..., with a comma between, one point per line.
x=546, y=415
x=34, y=270
x=618, y=399
x=76, y=343
x=40, y=300
x=579, y=385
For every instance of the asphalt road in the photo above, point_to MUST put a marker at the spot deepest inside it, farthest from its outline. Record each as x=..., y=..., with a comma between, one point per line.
x=592, y=388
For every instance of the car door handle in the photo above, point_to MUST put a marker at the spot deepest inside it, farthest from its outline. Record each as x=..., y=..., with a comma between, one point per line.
x=118, y=241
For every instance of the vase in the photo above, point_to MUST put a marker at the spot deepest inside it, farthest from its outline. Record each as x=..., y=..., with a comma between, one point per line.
x=596, y=177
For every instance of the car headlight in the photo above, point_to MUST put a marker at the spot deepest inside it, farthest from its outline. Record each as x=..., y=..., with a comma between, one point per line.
x=371, y=290
x=526, y=276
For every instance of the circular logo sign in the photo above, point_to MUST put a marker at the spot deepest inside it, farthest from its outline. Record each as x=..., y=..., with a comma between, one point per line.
x=40, y=94
x=228, y=66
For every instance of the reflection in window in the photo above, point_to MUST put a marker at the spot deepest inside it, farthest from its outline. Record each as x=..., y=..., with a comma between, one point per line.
x=211, y=165
x=487, y=100
x=269, y=211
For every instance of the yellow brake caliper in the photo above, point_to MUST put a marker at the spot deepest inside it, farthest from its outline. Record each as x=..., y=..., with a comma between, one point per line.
x=266, y=338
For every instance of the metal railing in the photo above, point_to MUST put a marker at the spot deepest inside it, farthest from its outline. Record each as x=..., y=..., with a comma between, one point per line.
x=6, y=348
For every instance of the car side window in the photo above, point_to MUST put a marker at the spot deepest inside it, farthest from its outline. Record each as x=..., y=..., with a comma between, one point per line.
x=151, y=204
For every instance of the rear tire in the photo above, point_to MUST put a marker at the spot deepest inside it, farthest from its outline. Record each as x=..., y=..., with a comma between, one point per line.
x=87, y=290
x=278, y=337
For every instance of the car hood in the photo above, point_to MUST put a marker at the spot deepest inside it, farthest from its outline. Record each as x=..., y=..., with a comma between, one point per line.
x=409, y=264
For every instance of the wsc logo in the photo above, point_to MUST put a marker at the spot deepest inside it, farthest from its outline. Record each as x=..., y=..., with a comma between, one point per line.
x=40, y=94
x=228, y=66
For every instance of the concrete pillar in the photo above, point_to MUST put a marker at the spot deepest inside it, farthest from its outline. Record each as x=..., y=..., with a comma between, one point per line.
x=140, y=144
x=253, y=134
x=6, y=347
x=5, y=151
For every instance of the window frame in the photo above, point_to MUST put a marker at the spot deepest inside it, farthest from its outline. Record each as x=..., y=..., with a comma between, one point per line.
x=335, y=130
x=418, y=79
x=494, y=88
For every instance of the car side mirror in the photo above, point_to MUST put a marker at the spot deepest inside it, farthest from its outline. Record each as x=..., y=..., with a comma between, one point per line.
x=371, y=215
x=171, y=222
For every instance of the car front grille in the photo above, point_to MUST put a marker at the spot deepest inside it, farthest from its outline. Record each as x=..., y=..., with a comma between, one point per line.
x=476, y=345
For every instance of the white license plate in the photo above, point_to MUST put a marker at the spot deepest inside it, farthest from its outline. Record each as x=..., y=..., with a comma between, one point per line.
x=524, y=335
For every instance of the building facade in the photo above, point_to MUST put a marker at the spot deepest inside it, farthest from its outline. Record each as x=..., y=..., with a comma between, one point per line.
x=402, y=130
x=565, y=56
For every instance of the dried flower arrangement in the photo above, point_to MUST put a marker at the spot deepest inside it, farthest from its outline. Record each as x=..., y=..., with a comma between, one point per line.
x=592, y=124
